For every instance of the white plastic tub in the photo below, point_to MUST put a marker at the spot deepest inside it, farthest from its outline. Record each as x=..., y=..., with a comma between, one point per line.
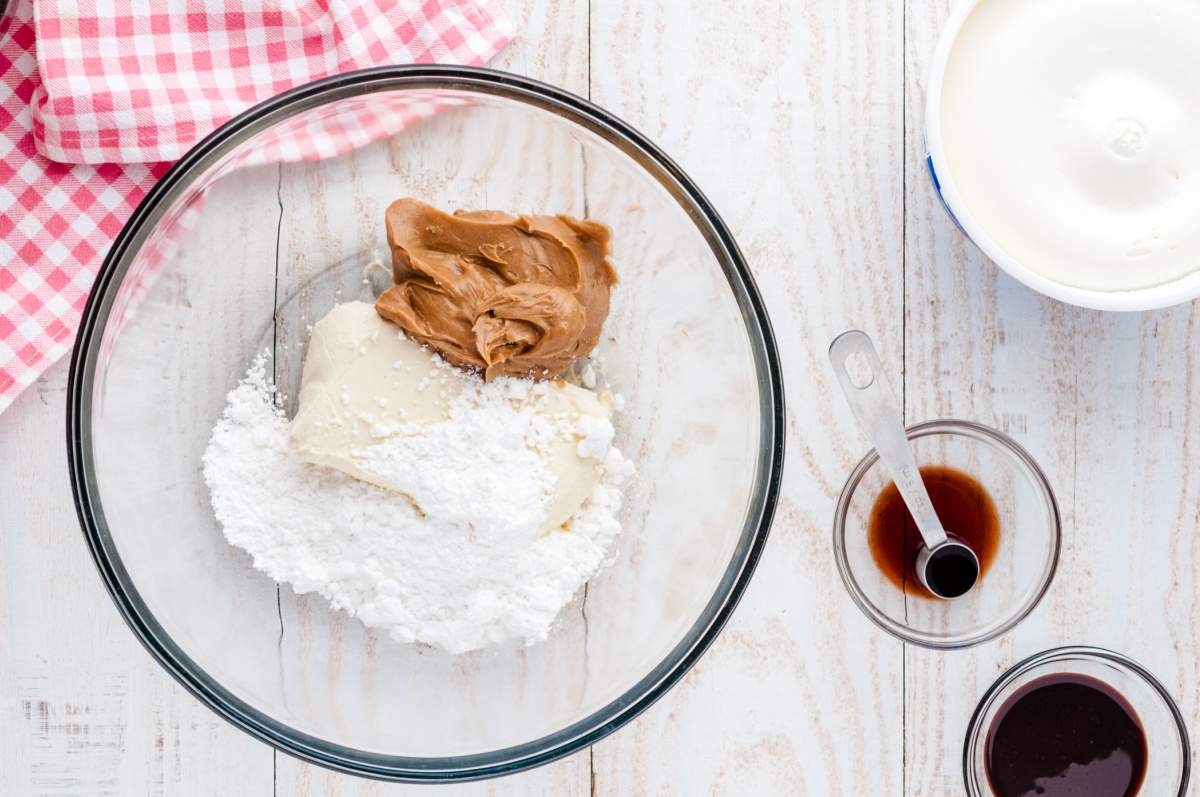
x=1177, y=291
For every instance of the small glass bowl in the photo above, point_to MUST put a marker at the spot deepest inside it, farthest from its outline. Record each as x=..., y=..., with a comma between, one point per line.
x=1169, y=752
x=1020, y=573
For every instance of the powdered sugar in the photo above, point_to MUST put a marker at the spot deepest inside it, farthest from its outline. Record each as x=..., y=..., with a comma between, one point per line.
x=595, y=436
x=463, y=564
x=477, y=470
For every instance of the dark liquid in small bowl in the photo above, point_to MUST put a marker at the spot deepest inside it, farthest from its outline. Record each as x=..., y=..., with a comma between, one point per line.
x=952, y=571
x=1063, y=736
x=966, y=510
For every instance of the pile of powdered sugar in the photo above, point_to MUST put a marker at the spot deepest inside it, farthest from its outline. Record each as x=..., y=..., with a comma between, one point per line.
x=466, y=569
x=482, y=468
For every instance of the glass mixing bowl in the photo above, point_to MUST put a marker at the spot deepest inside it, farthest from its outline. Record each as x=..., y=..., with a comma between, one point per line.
x=253, y=236
x=1026, y=555
x=1169, y=757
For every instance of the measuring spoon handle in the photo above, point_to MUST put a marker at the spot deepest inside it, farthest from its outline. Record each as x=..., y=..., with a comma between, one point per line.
x=874, y=406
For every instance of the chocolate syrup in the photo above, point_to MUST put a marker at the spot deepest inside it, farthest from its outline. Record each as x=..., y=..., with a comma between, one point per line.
x=967, y=513
x=1066, y=735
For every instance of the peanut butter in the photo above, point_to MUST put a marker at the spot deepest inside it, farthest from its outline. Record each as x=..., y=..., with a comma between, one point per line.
x=507, y=295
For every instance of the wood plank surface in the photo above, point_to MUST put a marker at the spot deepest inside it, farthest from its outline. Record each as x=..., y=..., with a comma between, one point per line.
x=803, y=123
x=789, y=117
x=1103, y=401
x=83, y=709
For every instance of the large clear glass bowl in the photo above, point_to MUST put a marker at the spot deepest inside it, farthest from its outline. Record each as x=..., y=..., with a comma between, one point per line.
x=254, y=235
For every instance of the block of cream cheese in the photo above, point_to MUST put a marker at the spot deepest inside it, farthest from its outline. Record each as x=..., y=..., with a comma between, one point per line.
x=364, y=381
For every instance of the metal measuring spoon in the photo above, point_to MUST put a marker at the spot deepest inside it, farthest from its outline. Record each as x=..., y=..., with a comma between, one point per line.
x=948, y=568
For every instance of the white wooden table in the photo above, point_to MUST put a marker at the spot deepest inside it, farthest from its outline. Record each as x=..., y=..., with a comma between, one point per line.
x=802, y=121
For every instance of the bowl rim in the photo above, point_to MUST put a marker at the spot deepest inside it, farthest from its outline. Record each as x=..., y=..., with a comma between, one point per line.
x=1154, y=297
x=760, y=508
x=981, y=433
x=1071, y=653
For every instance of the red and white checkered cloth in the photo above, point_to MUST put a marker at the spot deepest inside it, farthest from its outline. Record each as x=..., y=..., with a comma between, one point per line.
x=87, y=84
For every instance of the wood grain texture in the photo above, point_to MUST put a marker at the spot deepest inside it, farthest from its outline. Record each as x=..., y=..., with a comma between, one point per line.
x=789, y=117
x=551, y=45
x=1103, y=401
x=83, y=709
x=803, y=122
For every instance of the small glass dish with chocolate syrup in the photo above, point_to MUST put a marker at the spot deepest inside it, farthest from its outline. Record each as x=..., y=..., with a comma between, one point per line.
x=1077, y=721
x=990, y=494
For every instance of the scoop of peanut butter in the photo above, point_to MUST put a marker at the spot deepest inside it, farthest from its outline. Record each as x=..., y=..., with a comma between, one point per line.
x=507, y=295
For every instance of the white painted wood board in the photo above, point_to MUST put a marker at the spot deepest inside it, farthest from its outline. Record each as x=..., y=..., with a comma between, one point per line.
x=802, y=122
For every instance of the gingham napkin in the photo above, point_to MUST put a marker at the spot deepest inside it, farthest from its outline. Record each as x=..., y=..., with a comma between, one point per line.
x=88, y=84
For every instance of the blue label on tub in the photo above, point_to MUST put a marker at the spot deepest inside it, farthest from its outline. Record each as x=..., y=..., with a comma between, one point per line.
x=937, y=186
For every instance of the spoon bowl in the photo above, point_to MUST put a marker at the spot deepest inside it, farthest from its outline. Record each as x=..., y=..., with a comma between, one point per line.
x=950, y=570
